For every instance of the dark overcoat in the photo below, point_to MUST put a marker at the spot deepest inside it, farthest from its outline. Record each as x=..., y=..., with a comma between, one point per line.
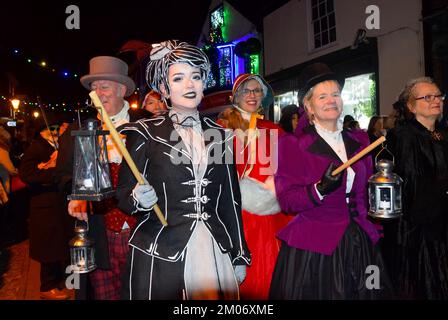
x=50, y=227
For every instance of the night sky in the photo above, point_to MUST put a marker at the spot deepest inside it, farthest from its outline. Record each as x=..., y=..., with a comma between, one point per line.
x=38, y=30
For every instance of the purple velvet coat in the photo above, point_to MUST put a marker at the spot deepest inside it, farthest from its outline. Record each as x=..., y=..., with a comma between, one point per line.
x=320, y=225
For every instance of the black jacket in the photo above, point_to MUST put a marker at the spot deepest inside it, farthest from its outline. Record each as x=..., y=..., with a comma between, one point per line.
x=422, y=162
x=157, y=150
x=50, y=225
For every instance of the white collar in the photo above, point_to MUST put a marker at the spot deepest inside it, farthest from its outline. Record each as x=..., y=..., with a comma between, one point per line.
x=179, y=117
x=122, y=115
x=245, y=114
x=321, y=130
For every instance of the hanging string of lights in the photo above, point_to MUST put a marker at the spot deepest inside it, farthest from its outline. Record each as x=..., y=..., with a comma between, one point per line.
x=43, y=63
x=59, y=106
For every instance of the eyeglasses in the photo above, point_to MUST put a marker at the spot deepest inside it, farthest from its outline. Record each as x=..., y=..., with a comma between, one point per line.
x=431, y=97
x=257, y=92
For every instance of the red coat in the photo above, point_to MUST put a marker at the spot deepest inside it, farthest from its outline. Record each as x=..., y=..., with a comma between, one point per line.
x=260, y=230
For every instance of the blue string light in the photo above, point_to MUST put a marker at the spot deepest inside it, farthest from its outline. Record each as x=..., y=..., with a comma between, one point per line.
x=42, y=63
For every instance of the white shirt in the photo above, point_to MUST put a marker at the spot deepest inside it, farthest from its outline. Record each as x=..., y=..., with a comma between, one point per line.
x=188, y=126
x=113, y=153
x=335, y=141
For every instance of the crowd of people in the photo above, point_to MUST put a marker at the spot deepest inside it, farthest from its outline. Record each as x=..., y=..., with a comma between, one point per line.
x=253, y=209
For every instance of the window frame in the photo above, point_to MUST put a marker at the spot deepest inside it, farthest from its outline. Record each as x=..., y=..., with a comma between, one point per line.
x=310, y=26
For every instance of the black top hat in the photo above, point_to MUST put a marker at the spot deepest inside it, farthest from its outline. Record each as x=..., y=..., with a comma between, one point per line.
x=313, y=74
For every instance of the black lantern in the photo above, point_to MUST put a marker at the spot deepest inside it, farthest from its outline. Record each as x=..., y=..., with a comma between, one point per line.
x=82, y=252
x=385, y=192
x=91, y=177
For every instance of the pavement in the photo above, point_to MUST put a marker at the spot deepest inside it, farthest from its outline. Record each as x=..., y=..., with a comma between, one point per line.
x=19, y=274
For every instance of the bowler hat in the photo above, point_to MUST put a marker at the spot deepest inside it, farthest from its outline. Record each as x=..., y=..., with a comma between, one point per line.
x=108, y=68
x=268, y=93
x=313, y=74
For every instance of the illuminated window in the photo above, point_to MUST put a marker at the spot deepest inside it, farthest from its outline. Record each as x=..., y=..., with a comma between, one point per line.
x=323, y=22
x=283, y=100
x=217, y=18
x=211, y=82
x=226, y=66
x=359, y=96
x=225, y=73
x=254, y=63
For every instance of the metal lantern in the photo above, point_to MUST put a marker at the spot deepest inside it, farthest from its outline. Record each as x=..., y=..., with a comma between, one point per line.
x=82, y=252
x=91, y=177
x=385, y=192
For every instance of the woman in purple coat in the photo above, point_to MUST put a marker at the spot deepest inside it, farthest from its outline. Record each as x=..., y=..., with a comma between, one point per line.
x=328, y=250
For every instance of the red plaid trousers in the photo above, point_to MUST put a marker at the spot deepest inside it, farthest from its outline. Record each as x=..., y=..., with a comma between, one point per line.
x=107, y=283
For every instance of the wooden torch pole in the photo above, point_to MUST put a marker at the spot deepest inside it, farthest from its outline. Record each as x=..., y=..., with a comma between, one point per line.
x=358, y=156
x=97, y=102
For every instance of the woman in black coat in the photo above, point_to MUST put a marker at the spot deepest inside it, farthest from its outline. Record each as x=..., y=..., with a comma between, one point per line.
x=50, y=226
x=416, y=246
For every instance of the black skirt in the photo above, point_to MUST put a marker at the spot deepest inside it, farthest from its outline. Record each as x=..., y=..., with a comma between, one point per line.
x=417, y=260
x=301, y=274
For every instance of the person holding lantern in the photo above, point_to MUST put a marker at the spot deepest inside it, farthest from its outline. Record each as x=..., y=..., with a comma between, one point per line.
x=256, y=160
x=108, y=226
x=202, y=253
x=328, y=246
x=416, y=246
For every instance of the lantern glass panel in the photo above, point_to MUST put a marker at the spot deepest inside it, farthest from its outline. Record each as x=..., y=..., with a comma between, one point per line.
x=92, y=168
x=398, y=197
x=372, y=197
x=91, y=177
x=385, y=196
x=83, y=259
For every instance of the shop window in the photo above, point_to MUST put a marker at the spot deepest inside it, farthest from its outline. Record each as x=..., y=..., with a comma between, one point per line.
x=282, y=101
x=359, y=96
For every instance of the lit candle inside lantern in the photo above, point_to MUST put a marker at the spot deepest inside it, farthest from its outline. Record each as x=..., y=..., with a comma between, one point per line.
x=82, y=262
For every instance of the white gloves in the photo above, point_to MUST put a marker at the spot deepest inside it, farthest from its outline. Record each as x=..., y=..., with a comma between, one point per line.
x=145, y=195
x=240, y=273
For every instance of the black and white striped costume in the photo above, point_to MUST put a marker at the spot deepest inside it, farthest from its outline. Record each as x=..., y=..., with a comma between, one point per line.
x=157, y=264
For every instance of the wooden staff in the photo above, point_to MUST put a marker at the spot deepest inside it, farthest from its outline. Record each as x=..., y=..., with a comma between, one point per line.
x=97, y=102
x=361, y=154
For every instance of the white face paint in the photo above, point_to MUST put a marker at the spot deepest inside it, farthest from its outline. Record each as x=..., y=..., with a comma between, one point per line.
x=186, y=86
